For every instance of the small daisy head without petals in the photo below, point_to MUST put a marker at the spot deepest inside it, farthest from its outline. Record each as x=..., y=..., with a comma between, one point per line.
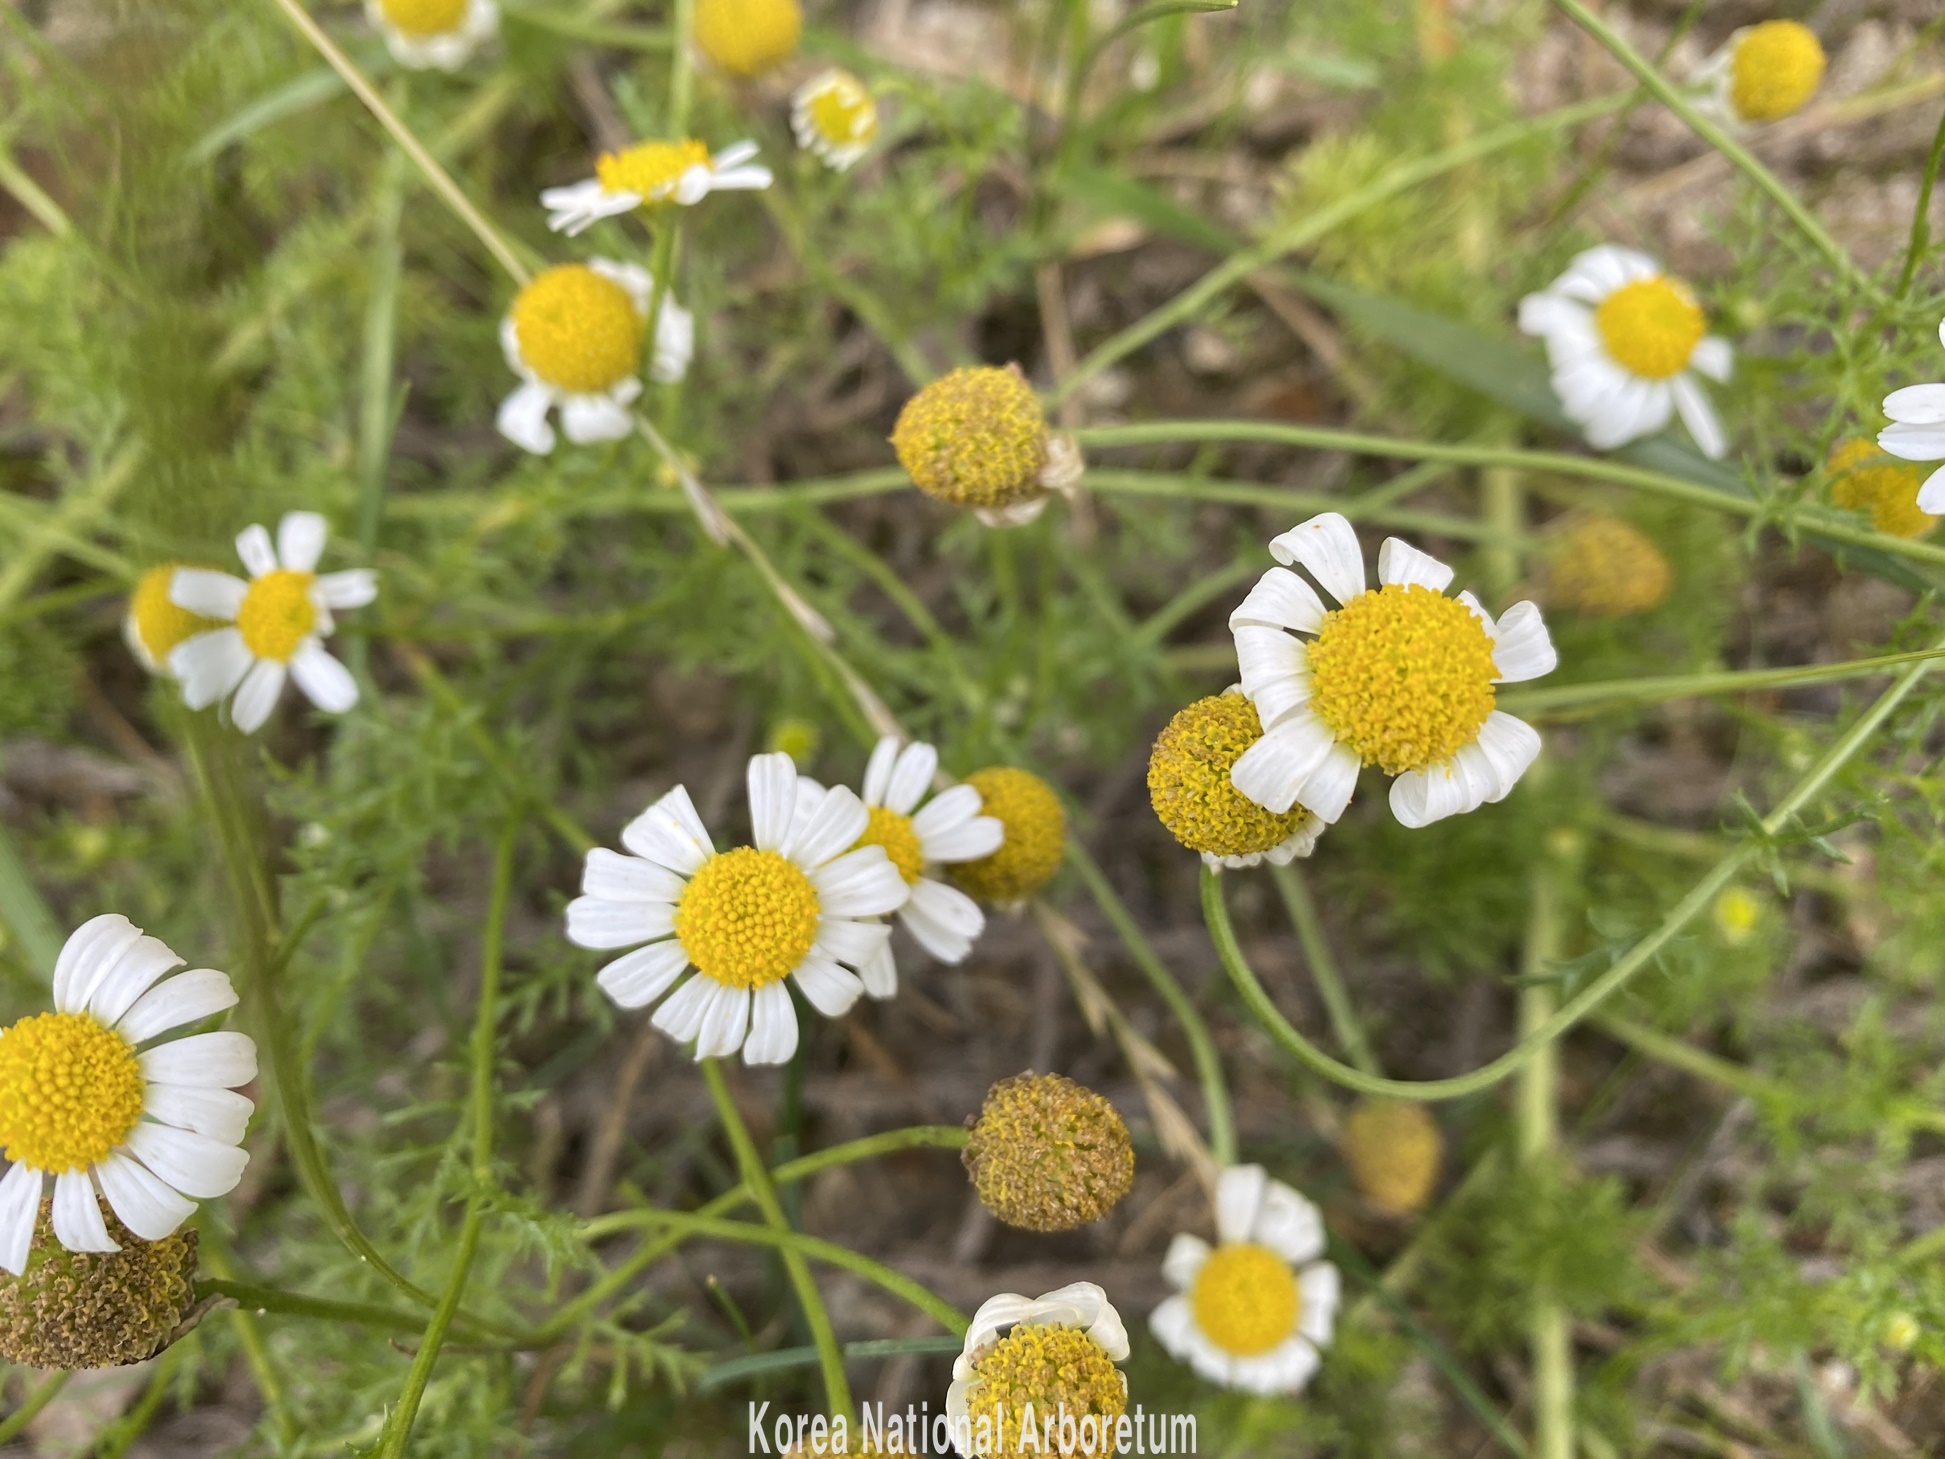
x=1047, y=1154
x=1764, y=73
x=1253, y=1311
x=574, y=337
x=1054, y=1351
x=1399, y=677
x=1864, y=479
x=95, y=1100
x=1034, y=836
x=1603, y=567
x=747, y=37
x=801, y=902
x=1917, y=433
x=153, y=625
x=271, y=628
x=834, y=117
x=1626, y=343
x=681, y=172
x=437, y=35
x=96, y=1309
x=1393, y=1148
x=977, y=438
x=1190, y=789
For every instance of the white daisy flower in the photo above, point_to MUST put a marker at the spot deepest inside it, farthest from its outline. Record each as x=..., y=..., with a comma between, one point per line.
x=1917, y=433
x=835, y=117
x=1253, y=1311
x=1626, y=342
x=574, y=337
x=1048, y=1351
x=153, y=626
x=1400, y=677
x=93, y=1098
x=652, y=172
x=797, y=903
x=945, y=829
x=277, y=624
x=438, y=35
x=1764, y=73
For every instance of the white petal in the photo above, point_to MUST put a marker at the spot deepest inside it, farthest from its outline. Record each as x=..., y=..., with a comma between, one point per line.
x=1327, y=545
x=300, y=541
x=1700, y=417
x=352, y=588
x=675, y=343
x=324, y=681
x=725, y=1020
x=617, y=878
x=1913, y=443
x=831, y=989
x=911, y=775
x=741, y=179
x=670, y=833
x=1328, y=790
x=772, y=782
x=77, y=1219
x=1931, y=496
x=832, y=828
x=879, y=971
x=1275, y=672
x=1714, y=358
x=599, y=923
x=221, y=1114
x=142, y=1203
x=950, y=809
x=1274, y=771
x=849, y=942
x=943, y=919
x=861, y=883
x=1596, y=272
x=1545, y=314
x=131, y=975
x=1171, y=1323
x=253, y=546
x=638, y=978
x=1184, y=1259
x=1284, y=1369
x=257, y=695
x=638, y=281
x=1288, y=1224
x=1420, y=797
x=1401, y=563
x=1000, y=1311
x=1280, y=599
x=1320, y=1288
x=680, y=1016
x=210, y=665
x=194, y=1164
x=1512, y=744
x=522, y=418
x=589, y=419
x=20, y=1205
x=1917, y=405
x=734, y=155
x=221, y=1060
x=773, y=1027
x=90, y=951
x=1522, y=648
x=208, y=592
x=968, y=841
x=1239, y=1196
x=877, y=770
x=182, y=1000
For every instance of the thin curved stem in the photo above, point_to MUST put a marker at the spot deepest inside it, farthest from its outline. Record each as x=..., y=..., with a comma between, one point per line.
x=1323, y=967
x=1577, y=1008
x=1553, y=698
x=43, y=1393
x=1921, y=215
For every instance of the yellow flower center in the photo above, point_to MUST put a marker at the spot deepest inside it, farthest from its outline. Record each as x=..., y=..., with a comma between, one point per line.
x=1604, y=567
x=649, y=168
x=1045, y=1367
x=1393, y=1148
x=976, y=437
x=843, y=112
x=1245, y=1299
x=1189, y=786
x=747, y=917
x=1776, y=68
x=1404, y=676
x=1651, y=326
x=277, y=614
x=1864, y=479
x=747, y=37
x=894, y=832
x=70, y=1091
x=1035, y=835
x=159, y=623
x=1737, y=914
x=577, y=329
x=424, y=17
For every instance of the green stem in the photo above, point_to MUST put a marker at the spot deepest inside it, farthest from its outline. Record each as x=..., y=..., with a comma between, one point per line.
x=43, y=1393
x=837, y=1388
x=1538, y=1117
x=1202, y=1047
x=270, y=1300
x=376, y=417
x=1223, y=933
x=594, y=32
x=1679, y=1054
x=65, y=526
x=1181, y=486
x=1711, y=132
x=1684, y=686
x=1323, y=967
x=1921, y=216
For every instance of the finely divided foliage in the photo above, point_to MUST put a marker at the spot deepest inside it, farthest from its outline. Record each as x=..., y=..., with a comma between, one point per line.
x=749, y=499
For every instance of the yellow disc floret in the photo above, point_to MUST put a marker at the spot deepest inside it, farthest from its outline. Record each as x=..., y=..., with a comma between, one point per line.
x=649, y=168
x=1046, y=1367
x=1603, y=567
x=1776, y=68
x=1404, y=676
x=156, y=622
x=1245, y=1299
x=1047, y=1154
x=1651, y=326
x=1864, y=479
x=1393, y=1149
x=747, y=917
x=577, y=329
x=96, y=1309
x=1737, y=912
x=277, y=614
x=1035, y=826
x=420, y=18
x=747, y=37
x=894, y=832
x=976, y=437
x=842, y=111
x=70, y=1091
x=1188, y=781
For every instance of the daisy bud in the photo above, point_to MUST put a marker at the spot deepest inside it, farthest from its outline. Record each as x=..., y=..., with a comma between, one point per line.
x=1864, y=479
x=1036, y=836
x=1393, y=1148
x=1901, y=1332
x=976, y=438
x=1774, y=68
x=747, y=37
x=96, y=1309
x=1047, y=1154
x=1190, y=789
x=1603, y=567
x=797, y=738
